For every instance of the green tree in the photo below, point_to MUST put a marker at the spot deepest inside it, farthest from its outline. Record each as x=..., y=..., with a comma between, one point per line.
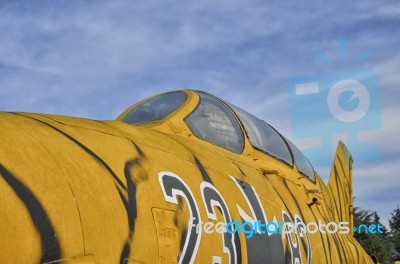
x=375, y=244
x=394, y=223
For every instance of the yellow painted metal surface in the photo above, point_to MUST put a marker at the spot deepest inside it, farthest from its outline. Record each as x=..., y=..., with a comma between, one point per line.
x=82, y=191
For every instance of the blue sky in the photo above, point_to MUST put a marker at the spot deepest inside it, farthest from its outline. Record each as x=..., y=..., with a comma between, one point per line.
x=95, y=58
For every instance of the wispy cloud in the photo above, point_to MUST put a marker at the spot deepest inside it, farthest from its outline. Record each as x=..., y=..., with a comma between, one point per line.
x=95, y=58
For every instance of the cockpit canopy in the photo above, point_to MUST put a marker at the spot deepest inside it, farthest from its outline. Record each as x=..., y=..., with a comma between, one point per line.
x=221, y=123
x=214, y=122
x=156, y=108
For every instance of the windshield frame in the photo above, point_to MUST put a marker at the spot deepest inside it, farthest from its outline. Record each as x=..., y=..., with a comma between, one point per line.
x=233, y=115
x=288, y=144
x=126, y=113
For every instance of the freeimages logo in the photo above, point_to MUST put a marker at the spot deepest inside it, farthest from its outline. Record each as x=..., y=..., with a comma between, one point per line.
x=327, y=107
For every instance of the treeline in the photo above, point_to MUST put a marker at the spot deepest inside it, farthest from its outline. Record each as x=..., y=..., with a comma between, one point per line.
x=386, y=246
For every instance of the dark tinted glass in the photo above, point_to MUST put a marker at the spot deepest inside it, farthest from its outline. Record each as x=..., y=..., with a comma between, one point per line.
x=263, y=137
x=302, y=163
x=214, y=122
x=155, y=109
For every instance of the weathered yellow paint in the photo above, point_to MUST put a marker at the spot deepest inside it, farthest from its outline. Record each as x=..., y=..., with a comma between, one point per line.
x=81, y=191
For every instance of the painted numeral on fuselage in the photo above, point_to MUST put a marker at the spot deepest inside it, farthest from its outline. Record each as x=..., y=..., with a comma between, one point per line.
x=293, y=239
x=261, y=248
x=301, y=228
x=173, y=186
x=213, y=199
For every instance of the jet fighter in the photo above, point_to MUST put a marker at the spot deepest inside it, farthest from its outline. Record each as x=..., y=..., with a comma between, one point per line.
x=180, y=177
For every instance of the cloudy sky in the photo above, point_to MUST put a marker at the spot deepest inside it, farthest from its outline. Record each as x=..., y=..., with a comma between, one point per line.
x=95, y=58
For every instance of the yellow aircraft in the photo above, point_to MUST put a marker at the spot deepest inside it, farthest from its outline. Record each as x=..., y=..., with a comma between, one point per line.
x=180, y=177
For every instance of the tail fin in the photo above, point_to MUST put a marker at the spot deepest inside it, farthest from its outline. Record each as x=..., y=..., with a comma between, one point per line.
x=340, y=185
